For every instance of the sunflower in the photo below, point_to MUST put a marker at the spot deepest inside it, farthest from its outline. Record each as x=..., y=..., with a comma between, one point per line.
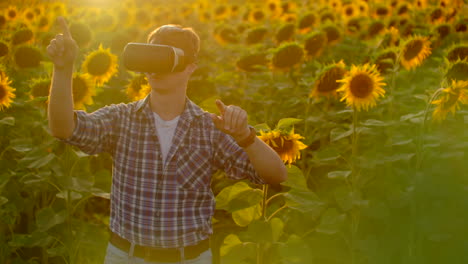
x=381, y=11
x=333, y=33
x=11, y=13
x=421, y=4
x=286, y=144
x=274, y=7
x=457, y=70
x=225, y=34
x=220, y=12
x=3, y=20
x=285, y=33
x=3, y=48
x=253, y=62
x=39, y=87
x=415, y=50
x=101, y=64
x=375, y=28
x=256, y=15
x=21, y=36
x=315, y=43
x=27, y=56
x=403, y=9
x=6, y=91
x=354, y=25
x=138, y=88
x=436, y=15
x=256, y=35
x=81, y=33
x=326, y=84
x=306, y=22
x=287, y=55
x=459, y=51
x=29, y=15
x=349, y=11
x=443, y=30
x=83, y=90
x=450, y=100
x=386, y=59
x=361, y=87
x=391, y=37
x=363, y=8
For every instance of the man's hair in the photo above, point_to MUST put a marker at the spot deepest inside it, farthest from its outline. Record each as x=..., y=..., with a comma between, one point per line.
x=179, y=37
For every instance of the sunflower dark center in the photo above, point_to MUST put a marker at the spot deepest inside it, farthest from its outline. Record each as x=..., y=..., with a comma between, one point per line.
x=349, y=11
x=315, y=44
x=458, y=71
x=413, y=49
x=382, y=11
x=220, y=10
x=333, y=33
x=228, y=35
x=80, y=89
x=361, y=85
x=258, y=15
x=287, y=56
x=3, y=49
x=436, y=14
x=3, y=92
x=328, y=83
x=11, y=13
x=456, y=53
x=99, y=64
x=403, y=10
x=307, y=21
x=286, y=147
x=452, y=99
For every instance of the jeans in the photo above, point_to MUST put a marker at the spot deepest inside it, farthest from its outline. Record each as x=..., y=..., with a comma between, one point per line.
x=115, y=255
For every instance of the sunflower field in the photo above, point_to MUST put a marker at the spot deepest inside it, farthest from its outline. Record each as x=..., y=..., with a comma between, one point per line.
x=365, y=101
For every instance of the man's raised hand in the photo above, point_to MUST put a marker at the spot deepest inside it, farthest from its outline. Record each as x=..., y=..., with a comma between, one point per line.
x=232, y=121
x=63, y=49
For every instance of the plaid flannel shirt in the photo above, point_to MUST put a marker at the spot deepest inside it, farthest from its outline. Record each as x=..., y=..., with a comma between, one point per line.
x=154, y=204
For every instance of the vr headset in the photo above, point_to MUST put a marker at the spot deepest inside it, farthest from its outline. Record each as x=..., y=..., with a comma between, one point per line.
x=153, y=58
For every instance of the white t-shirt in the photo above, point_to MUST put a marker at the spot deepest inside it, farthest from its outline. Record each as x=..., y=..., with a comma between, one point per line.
x=166, y=130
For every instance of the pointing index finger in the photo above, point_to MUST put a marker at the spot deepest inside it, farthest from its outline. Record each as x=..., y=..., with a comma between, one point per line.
x=220, y=106
x=63, y=25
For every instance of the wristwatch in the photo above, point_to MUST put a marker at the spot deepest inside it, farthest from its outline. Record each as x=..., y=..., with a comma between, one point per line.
x=249, y=140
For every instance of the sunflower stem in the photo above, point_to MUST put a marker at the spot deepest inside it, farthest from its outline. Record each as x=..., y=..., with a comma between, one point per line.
x=354, y=178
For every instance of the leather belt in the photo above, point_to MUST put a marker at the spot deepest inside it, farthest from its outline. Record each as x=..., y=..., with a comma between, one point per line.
x=160, y=254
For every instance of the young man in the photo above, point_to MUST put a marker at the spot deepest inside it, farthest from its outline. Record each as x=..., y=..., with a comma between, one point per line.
x=165, y=149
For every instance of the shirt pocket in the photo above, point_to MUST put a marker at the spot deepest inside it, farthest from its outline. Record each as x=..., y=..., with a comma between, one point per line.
x=194, y=169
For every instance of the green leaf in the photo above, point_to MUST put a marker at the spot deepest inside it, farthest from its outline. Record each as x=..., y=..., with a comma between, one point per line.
x=287, y=123
x=209, y=105
x=8, y=121
x=412, y=116
x=296, y=179
x=245, y=216
x=259, y=231
x=237, y=197
x=41, y=162
x=346, y=198
x=36, y=239
x=399, y=157
x=46, y=218
x=304, y=201
x=339, y=174
x=295, y=251
x=229, y=242
x=234, y=251
x=339, y=133
x=57, y=251
x=3, y=200
x=21, y=144
x=262, y=127
x=331, y=222
x=277, y=227
x=374, y=123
